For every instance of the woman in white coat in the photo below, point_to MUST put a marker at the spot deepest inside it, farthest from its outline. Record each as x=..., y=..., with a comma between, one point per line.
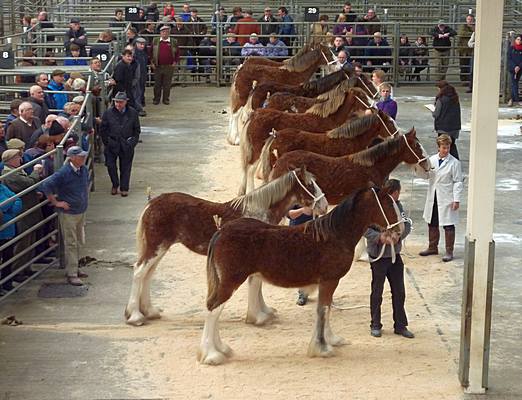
x=443, y=198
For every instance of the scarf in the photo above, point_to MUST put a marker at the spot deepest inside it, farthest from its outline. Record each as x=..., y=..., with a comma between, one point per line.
x=517, y=46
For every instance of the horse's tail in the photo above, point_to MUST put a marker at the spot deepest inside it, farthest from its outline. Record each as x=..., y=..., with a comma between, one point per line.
x=265, y=166
x=141, y=236
x=212, y=275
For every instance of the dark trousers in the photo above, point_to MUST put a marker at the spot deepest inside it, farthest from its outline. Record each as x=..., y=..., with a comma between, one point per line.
x=465, y=68
x=162, y=82
x=381, y=270
x=514, y=86
x=124, y=158
x=435, y=217
x=5, y=256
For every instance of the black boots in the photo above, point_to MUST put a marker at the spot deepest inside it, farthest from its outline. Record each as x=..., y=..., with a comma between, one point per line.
x=433, y=235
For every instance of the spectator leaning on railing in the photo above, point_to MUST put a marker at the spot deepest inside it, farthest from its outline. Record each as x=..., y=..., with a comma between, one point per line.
x=267, y=25
x=441, y=35
x=466, y=52
x=57, y=84
x=67, y=190
x=287, y=28
x=379, y=48
x=231, y=54
x=23, y=127
x=276, y=48
x=253, y=47
x=76, y=35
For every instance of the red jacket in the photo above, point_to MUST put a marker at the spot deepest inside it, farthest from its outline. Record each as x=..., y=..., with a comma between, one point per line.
x=246, y=29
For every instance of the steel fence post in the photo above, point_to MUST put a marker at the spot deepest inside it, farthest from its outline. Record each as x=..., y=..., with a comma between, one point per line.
x=396, y=48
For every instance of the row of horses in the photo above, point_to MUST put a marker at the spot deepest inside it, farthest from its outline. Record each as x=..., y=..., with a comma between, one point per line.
x=308, y=142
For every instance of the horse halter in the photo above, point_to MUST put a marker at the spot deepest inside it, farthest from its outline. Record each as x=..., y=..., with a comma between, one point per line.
x=367, y=88
x=419, y=160
x=334, y=60
x=378, y=116
x=315, y=198
x=388, y=225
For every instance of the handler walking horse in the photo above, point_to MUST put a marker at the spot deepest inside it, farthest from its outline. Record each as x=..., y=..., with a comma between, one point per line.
x=354, y=135
x=295, y=70
x=320, y=118
x=180, y=218
x=340, y=176
x=319, y=252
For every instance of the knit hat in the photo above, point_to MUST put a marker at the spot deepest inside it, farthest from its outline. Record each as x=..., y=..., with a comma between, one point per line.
x=15, y=143
x=9, y=155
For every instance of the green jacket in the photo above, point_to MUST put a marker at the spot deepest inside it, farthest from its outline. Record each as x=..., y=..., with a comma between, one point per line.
x=155, y=50
x=464, y=35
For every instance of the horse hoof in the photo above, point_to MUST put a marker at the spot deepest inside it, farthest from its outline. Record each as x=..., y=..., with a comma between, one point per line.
x=320, y=350
x=153, y=313
x=336, y=341
x=269, y=310
x=211, y=358
x=225, y=349
x=136, y=319
x=259, y=319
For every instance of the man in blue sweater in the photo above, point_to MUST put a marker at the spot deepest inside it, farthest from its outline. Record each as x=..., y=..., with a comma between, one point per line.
x=67, y=190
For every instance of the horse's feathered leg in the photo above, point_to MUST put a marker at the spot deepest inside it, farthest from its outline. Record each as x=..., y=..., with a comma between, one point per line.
x=146, y=307
x=256, y=313
x=319, y=347
x=329, y=336
x=132, y=311
x=208, y=352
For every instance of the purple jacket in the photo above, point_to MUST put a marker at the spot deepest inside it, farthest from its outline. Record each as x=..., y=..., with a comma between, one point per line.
x=389, y=107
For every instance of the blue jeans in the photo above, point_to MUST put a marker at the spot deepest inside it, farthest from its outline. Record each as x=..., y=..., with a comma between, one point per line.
x=514, y=86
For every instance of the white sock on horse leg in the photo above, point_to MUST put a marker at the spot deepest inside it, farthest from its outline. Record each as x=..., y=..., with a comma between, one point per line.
x=132, y=312
x=255, y=313
x=208, y=353
x=146, y=306
x=329, y=336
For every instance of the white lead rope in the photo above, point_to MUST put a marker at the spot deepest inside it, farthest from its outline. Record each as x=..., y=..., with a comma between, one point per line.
x=367, y=88
x=378, y=116
x=315, y=198
x=419, y=160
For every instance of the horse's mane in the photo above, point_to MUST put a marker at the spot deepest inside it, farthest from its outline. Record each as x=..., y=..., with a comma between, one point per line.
x=327, y=225
x=332, y=100
x=353, y=128
x=302, y=60
x=265, y=196
x=324, y=83
x=368, y=157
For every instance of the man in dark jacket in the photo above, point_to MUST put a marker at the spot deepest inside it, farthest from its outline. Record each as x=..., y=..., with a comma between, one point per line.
x=77, y=35
x=120, y=132
x=142, y=59
x=37, y=100
x=378, y=47
x=441, y=35
x=267, y=26
x=124, y=75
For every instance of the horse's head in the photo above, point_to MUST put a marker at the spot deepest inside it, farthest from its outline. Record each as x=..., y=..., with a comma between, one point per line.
x=310, y=194
x=387, y=126
x=415, y=153
x=327, y=55
x=388, y=217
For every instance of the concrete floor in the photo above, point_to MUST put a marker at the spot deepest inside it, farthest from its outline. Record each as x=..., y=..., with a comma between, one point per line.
x=64, y=350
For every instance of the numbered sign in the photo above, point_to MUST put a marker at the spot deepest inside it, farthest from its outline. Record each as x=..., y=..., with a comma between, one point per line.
x=104, y=58
x=311, y=14
x=7, y=60
x=131, y=14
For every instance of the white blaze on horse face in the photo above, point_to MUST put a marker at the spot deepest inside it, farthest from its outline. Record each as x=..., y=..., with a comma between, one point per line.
x=321, y=206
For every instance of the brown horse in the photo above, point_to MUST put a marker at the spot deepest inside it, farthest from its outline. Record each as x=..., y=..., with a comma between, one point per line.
x=294, y=71
x=180, y=218
x=308, y=89
x=320, y=118
x=317, y=253
x=340, y=176
x=354, y=135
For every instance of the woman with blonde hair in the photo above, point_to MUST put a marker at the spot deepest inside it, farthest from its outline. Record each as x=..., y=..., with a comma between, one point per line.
x=443, y=198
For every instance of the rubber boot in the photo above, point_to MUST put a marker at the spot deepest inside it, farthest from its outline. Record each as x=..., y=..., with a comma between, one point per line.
x=433, y=237
x=449, y=235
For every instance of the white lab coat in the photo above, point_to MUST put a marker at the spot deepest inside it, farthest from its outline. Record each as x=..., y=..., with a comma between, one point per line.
x=446, y=180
